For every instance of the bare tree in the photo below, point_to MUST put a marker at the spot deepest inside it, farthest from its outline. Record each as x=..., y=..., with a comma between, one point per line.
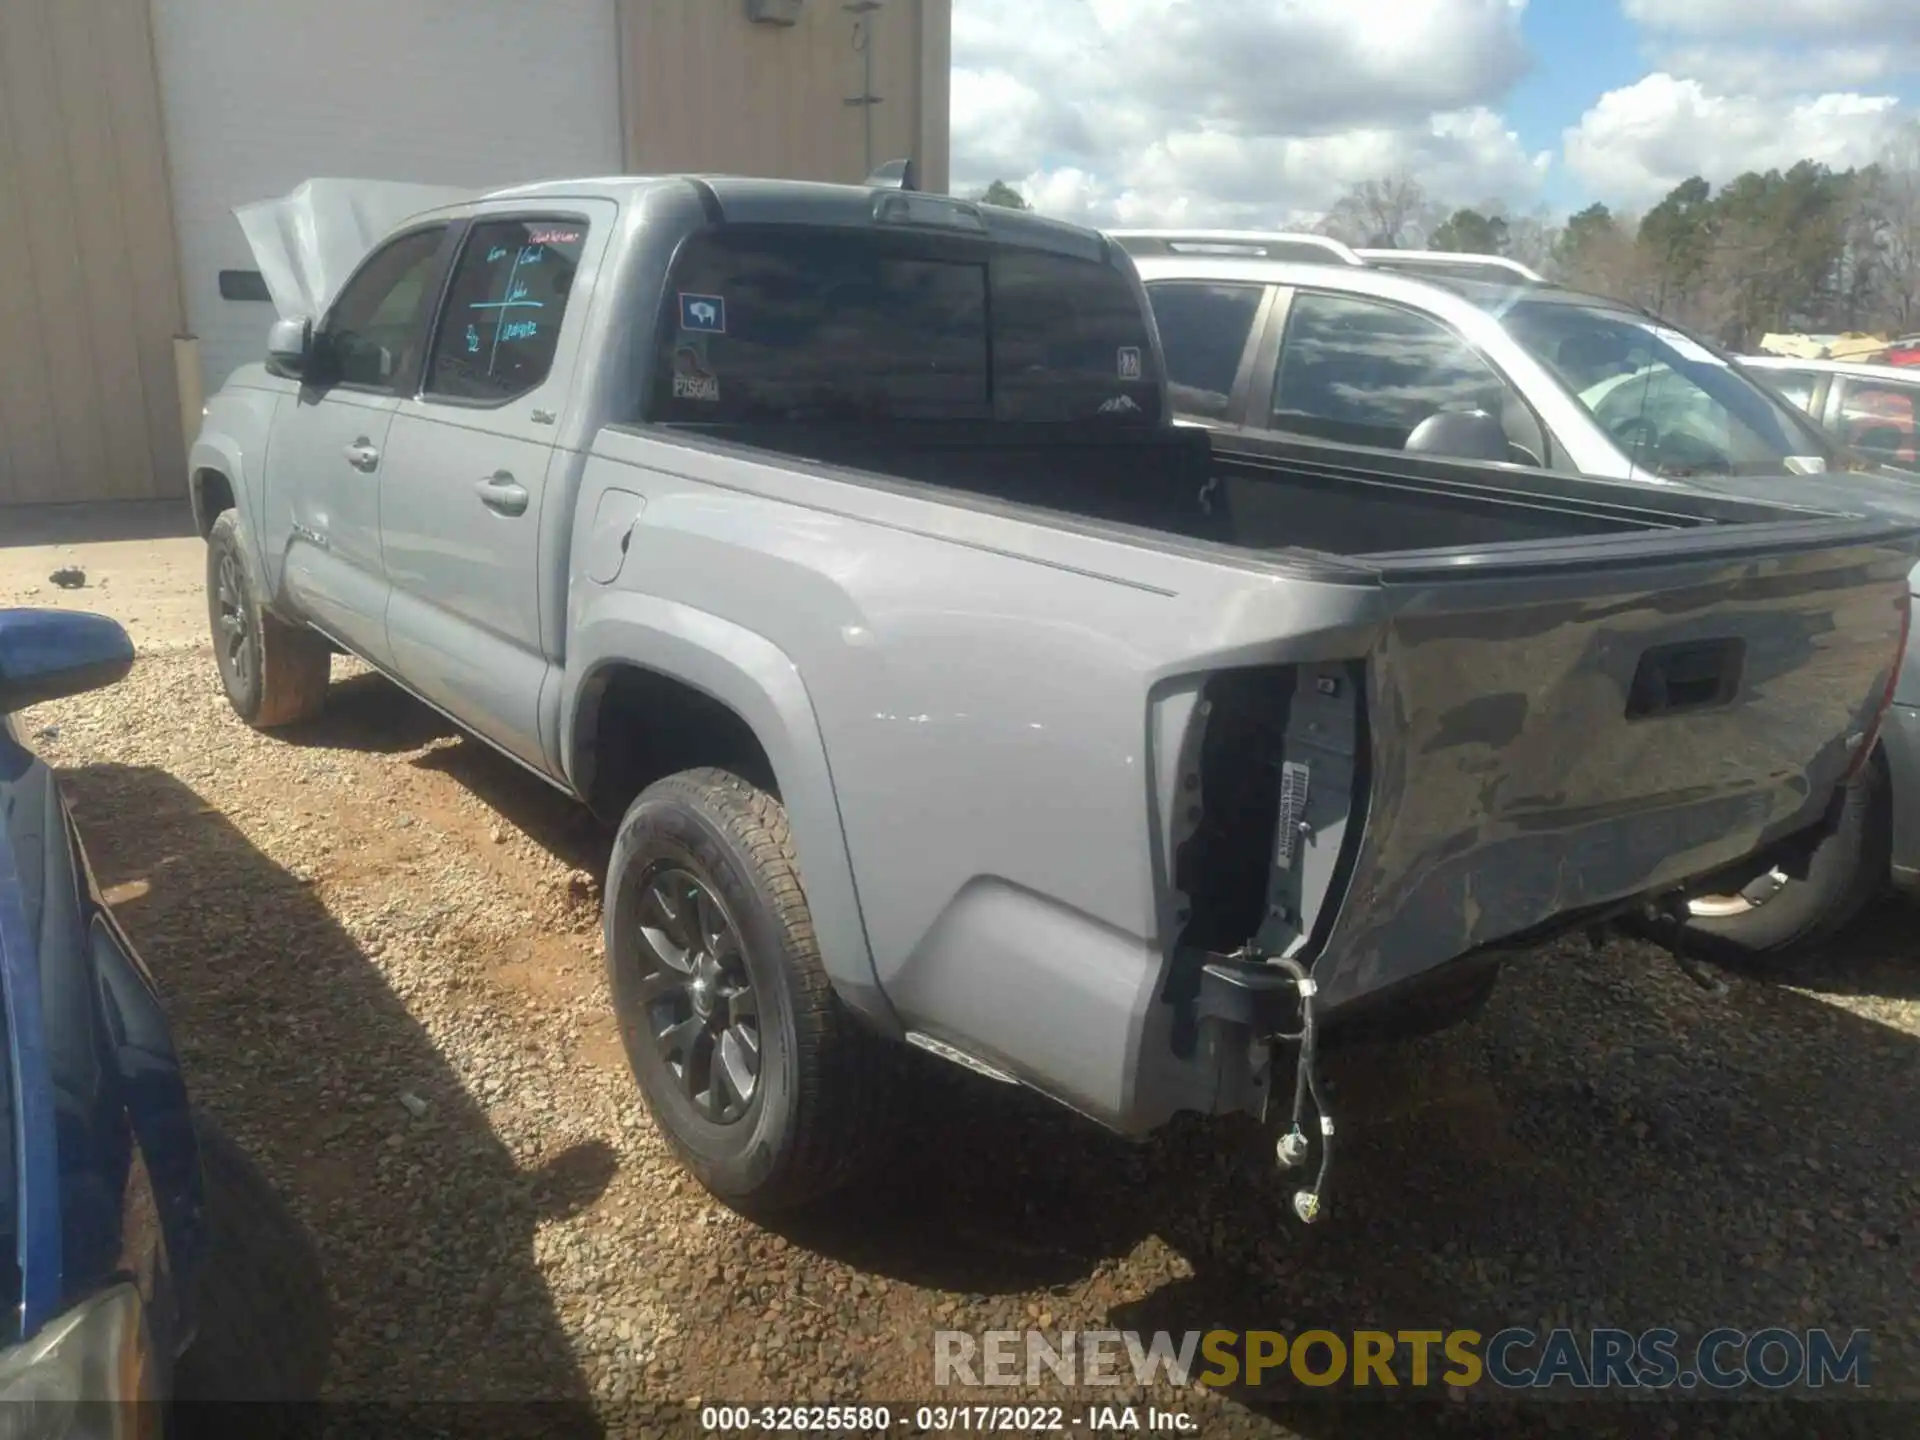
x=1394, y=212
x=1533, y=239
x=1894, y=201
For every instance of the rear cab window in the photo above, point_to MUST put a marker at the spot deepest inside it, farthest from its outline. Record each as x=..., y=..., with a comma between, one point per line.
x=798, y=324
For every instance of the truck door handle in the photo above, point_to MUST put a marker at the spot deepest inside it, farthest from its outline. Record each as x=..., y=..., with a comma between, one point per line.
x=362, y=455
x=502, y=493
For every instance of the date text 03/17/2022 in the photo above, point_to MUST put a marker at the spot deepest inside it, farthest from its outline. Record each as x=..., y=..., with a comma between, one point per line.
x=946, y=1419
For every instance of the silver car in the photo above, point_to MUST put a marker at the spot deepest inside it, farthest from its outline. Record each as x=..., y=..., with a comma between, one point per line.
x=1871, y=408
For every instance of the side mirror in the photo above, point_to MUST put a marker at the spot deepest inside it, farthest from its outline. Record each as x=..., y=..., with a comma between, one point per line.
x=1462, y=435
x=290, y=345
x=51, y=654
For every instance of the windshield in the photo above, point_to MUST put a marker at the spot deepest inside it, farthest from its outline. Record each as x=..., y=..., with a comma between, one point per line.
x=1670, y=404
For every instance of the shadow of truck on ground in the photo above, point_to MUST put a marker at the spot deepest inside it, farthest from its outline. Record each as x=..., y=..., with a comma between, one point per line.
x=292, y=1039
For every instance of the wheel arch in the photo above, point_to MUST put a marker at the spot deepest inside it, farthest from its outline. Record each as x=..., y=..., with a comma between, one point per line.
x=685, y=663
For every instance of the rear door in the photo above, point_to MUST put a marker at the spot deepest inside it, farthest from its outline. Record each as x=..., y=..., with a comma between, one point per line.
x=329, y=442
x=465, y=529
x=1209, y=332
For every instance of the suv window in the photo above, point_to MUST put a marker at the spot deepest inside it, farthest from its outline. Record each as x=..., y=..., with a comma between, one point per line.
x=1203, y=333
x=1669, y=403
x=372, y=331
x=790, y=324
x=501, y=323
x=1877, y=419
x=1796, y=385
x=1361, y=372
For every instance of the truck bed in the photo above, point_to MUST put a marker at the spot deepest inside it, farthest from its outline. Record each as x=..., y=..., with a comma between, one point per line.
x=1255, y=492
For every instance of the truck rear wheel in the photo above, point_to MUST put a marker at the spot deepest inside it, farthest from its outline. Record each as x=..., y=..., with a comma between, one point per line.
x=767, y=1087
x=1777, y=918
x=273, y=673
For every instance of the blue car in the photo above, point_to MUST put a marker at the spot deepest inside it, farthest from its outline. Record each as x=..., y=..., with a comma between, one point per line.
x=144, y=1257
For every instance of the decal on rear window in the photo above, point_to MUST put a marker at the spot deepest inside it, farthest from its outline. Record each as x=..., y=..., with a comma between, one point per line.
x=691, y=378
x=704, y=314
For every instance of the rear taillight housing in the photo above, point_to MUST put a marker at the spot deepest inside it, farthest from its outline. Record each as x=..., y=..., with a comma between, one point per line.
x=1864, y=746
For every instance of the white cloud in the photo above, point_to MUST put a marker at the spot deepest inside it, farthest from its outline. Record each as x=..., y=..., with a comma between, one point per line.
x=1637, y=143
x=1234, y=111
x=1750, y=69
x=1863, y=19
x=1782, y=47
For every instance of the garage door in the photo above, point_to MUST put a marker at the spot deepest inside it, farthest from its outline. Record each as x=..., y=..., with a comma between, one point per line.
x=259, y=97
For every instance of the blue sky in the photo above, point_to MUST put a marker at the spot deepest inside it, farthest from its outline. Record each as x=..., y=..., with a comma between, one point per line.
x=1594, y=42
x=1265, y=111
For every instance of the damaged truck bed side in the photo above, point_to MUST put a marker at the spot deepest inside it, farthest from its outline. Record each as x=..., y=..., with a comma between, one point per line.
x=836, y=543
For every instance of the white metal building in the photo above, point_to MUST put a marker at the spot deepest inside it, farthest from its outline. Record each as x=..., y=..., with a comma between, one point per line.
x=129, y=129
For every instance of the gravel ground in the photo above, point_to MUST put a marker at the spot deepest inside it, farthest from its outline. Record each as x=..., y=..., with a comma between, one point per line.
x=380, y=947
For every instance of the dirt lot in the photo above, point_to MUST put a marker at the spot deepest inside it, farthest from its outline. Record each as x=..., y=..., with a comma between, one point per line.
x=379, y=943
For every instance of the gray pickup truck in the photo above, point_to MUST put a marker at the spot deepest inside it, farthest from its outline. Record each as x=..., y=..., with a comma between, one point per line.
x=837, y=544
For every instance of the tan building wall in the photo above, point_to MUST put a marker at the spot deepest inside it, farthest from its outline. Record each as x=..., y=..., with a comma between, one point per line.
x=90, y=404
x=705, y=88
x=89, y=408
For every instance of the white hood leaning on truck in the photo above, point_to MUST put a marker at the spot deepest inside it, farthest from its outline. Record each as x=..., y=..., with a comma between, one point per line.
x=308, y=241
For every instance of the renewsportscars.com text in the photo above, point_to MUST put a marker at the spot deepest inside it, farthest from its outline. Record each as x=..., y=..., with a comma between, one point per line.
x=1774, y=1358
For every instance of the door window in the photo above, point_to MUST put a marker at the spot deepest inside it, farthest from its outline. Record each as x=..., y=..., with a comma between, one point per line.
x=1203, y=334
x=1360, y=372
x=372, y=332
x=504, y=309
x=1877, y=419
x=1796, y=385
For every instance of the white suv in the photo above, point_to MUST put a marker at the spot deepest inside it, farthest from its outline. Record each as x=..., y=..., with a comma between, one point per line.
x=1299, y=335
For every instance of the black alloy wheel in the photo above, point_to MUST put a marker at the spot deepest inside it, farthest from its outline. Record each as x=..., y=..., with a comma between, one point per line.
x=233, y=626
x=702, y=1011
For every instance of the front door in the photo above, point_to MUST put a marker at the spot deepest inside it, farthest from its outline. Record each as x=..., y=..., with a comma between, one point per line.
x=330, y=440
x=476, y=558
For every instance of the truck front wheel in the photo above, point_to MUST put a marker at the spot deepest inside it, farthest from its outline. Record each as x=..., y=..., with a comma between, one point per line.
x=273, y=673
x=762, y=1081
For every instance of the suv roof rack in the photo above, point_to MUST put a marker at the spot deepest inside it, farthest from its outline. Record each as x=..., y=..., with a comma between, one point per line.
x=1452, y=262
x=1249, y=244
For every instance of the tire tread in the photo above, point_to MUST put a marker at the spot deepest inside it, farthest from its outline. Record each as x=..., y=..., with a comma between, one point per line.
x=295, y=663
x=847, y=1096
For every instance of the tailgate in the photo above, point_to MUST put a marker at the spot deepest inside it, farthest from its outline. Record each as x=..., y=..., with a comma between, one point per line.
x=1551, y=736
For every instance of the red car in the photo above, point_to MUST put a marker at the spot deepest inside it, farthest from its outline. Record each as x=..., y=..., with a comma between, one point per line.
x=1904, y=351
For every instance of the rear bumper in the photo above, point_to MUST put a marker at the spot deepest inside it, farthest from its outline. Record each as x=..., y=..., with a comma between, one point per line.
x=1900, y=739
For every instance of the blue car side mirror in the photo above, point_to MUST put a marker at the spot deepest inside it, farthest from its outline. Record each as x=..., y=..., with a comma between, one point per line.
x=51, y=654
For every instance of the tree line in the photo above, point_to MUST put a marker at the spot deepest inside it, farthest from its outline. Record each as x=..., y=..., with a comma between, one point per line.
x=1809, y=248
